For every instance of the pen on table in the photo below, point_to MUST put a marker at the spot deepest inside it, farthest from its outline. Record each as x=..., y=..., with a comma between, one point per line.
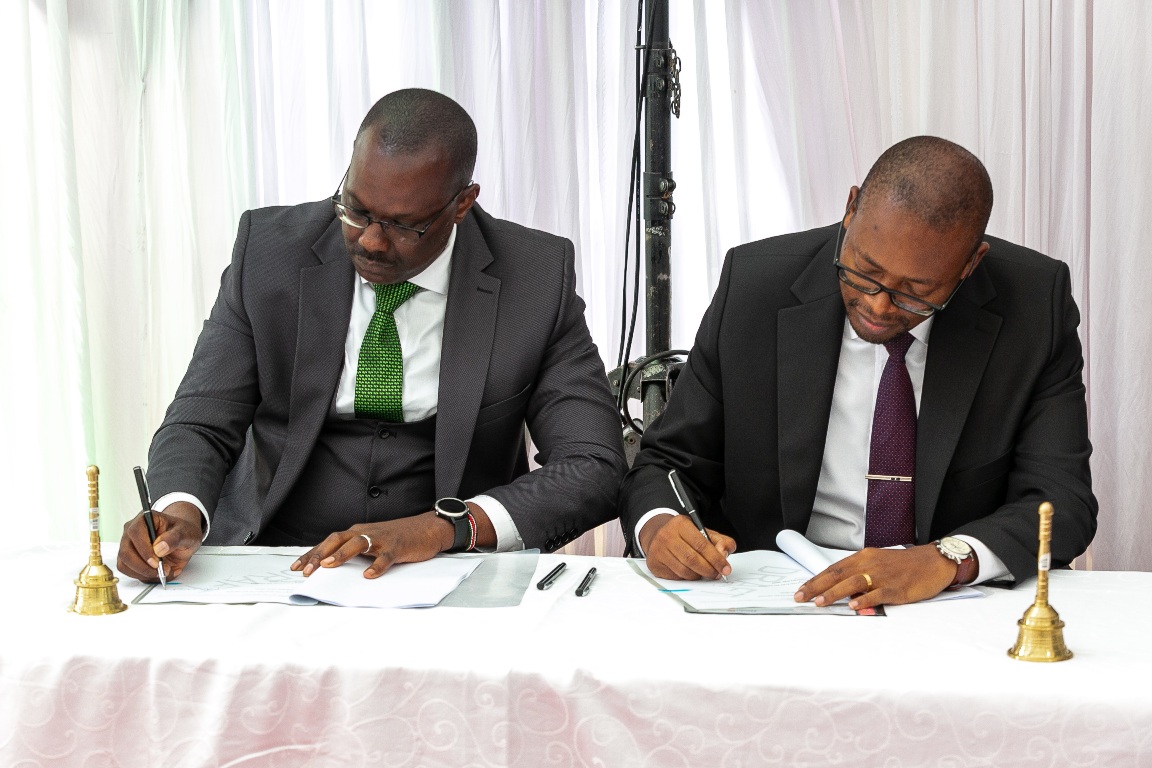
x=146, y=503
x=546, y=582
x=586, y=584
x=686, y=502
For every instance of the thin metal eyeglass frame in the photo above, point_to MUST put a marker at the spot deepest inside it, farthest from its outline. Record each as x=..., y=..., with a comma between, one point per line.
x=341, y=208
x=892, y=293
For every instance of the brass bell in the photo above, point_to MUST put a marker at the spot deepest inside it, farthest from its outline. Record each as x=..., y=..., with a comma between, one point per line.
x=1041, y=634
x=96, y=593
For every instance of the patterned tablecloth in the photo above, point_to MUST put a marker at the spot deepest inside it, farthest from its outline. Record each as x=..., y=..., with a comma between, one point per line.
x=621, y=677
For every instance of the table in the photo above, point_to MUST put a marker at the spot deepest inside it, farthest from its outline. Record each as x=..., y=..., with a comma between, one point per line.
x=622, y=677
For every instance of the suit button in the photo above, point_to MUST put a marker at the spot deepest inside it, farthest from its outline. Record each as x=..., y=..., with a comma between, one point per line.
x=374, y=491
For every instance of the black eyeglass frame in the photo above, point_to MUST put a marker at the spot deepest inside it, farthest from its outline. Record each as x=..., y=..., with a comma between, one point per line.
x=342, y=209
x=875, y=287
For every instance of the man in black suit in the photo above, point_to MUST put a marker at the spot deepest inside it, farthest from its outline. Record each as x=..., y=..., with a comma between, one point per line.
x=784, y=408
x=313, y=409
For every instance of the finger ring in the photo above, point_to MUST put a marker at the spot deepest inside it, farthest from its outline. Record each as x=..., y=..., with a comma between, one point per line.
x=867, y=580
x=369, y=549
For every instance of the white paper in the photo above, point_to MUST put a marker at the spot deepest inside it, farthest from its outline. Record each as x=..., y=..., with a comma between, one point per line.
x=232, y=578
x=408, y=585
x=812, y=556
x=761, y=581
x=266, y=578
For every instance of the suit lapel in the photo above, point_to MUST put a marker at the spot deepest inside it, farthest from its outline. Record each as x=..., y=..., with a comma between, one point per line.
x=323, y=311
x=958, y=350
x=469, y=328
x=808, y=341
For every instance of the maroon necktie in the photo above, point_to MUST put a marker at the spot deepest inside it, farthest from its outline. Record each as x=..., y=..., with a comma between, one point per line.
x=891, y=514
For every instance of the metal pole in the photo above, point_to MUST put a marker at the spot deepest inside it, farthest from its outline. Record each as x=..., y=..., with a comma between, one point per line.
x=661, y=89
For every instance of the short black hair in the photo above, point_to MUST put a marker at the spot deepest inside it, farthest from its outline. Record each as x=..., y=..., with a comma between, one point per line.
x=411, y=119
x=938, y=181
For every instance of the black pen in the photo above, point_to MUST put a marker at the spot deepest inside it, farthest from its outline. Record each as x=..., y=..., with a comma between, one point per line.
x=146, y=503
x=686, y=502
x=586, y=584
x=546, y=582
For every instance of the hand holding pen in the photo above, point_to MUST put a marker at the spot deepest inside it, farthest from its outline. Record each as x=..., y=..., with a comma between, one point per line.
x=174, y=535
x=680, y=547
x=689, y=508
x=146, y=503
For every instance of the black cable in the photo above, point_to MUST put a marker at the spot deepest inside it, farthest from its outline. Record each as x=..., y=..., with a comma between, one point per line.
x=626, y=348
x=635, y=187
x=626, y=385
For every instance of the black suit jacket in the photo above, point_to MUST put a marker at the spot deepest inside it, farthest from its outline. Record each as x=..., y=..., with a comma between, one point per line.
x=1002, y=423
x=516, y=351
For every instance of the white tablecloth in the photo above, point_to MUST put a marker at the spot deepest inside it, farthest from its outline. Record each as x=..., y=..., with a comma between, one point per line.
x=622, y=677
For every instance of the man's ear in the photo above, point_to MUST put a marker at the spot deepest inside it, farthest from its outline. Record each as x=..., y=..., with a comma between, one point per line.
x=850, y=206
x=977, y=258
x=466, y=201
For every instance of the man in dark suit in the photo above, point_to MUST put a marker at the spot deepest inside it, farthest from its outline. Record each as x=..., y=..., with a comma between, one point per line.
x=368, y=369
x=902, y=335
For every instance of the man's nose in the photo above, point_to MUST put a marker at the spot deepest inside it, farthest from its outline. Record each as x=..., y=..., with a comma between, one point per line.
x=373, y=238
x=880, y=304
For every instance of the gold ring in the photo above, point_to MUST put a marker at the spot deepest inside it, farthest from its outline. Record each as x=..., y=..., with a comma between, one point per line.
x=867, y=580
x=369, y=549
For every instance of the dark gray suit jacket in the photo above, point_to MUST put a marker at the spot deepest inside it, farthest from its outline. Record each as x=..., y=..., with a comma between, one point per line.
x=1002, y=423
x=516, y=350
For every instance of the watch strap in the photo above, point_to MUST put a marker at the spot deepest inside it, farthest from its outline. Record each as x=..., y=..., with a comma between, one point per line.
x=463, y=527
x=967, y=567
x=463, y=533
x=966, y=570
x=463, y=524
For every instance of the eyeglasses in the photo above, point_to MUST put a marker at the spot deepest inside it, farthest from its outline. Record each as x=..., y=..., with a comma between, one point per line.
x=904, y=301
x=397, y=233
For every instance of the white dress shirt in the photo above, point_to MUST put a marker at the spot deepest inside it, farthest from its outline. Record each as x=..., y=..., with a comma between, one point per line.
x=842, y=492
x=420, y=326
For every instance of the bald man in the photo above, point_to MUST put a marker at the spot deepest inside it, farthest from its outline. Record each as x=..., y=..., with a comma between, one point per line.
x=365, y=379
x=897, y=384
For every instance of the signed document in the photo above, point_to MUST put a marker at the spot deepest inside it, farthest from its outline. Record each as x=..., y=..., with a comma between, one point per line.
x=764, y=582
x=244, y=577
x=761, y=582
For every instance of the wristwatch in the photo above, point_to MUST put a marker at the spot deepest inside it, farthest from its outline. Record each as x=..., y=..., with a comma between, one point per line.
x=961, y=553
x=456, y=512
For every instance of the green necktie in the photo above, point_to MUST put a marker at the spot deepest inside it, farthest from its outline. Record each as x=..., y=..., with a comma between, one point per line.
x=380, y=369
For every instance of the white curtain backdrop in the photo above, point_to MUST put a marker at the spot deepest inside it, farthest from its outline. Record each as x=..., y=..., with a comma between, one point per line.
x=139, y=130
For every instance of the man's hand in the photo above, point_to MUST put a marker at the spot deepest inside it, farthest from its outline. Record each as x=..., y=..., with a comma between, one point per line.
x=178, y=532
x=897, y=576
x=675, y=549
x=407, y=540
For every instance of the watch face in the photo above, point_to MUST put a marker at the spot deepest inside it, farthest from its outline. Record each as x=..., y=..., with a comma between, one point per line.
x=451, y=507
x=957, y=549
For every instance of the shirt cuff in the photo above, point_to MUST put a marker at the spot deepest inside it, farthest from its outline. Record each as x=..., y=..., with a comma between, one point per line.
x=169, y=499
x=990, y=566
x=644, y=521
x=507, y=536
